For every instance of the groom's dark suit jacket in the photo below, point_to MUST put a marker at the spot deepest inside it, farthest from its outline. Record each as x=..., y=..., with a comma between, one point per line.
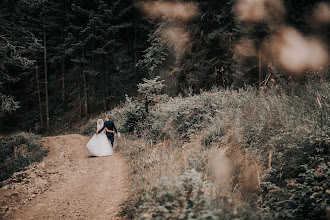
x=111, y=126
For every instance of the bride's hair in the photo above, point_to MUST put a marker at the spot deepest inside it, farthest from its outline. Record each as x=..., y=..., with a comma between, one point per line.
x=100, y=124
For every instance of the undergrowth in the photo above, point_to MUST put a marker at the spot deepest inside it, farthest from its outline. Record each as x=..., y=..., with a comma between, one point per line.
x=17, y=151
x=239, y=154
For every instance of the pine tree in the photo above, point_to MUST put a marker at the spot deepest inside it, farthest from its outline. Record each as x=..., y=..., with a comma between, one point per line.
x=12, y=57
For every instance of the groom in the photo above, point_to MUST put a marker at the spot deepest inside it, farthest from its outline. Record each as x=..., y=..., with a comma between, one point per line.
x=110, y=129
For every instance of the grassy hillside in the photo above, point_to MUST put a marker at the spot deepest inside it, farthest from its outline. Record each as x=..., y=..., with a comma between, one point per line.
x=17, y=151
x=229, y=154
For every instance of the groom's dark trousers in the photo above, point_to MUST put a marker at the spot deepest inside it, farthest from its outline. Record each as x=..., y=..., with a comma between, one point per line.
x=110, y=126
x=111, y=138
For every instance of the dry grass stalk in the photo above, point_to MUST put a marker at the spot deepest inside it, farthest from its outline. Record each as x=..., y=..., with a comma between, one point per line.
x=270, y=159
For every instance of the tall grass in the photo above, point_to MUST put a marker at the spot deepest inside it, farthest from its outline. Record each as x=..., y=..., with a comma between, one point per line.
x=17, y=151
x=258, y=155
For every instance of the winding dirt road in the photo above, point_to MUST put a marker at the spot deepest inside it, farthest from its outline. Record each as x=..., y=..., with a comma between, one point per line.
x=67, y=184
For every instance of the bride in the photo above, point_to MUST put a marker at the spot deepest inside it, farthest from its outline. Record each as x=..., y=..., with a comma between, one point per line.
x=99, y=144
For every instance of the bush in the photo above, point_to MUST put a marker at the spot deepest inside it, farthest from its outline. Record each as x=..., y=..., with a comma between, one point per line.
x=283, y=134
x=294, y=128
x=184, y=197
x=132, y=116
x=18, y=151
x=134, y=113
x=299, y=187
x=117, y=115
x=180, y=198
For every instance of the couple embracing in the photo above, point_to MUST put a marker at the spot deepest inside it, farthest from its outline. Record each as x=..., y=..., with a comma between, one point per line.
x=101, y=144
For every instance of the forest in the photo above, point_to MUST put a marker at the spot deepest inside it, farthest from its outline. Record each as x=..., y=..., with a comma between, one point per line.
x=223, y=105
x=62, y=61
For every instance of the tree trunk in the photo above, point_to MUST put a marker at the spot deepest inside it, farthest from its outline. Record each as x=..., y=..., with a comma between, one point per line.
x=63, y=83
x=104, y=88
x=103, y=95
x=9, y=86
x=85, y=90
x=259, y=57
x=39, y=96
x=129, y=50
x=85, y=94
x=93, y=87
x=63, y=76
x=135, y=52
x=79, y=96
x=46, y=76
x=1, y=122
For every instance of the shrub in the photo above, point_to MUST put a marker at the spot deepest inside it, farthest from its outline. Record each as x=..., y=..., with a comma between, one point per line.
x=18, y=151
x=151, y=88
x=299, y=186
x=134, y=113
x=184, y=197
x=117, y=115
x=180, y=198
x=283, y=132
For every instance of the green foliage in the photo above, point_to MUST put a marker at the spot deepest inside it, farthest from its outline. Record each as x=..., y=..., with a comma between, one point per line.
x=292, y=123
x=13, y=56
x=210, y=60
x=150, y=88
x=100, y=40
x=180, y=198
x=8, y=104
x=298, y=181
x=184, y=118
x=131, y=117
x=97, y=49
x=133, y=114
x=156, y=54
x=184, y=197
x=18, y=151
x=302, y=192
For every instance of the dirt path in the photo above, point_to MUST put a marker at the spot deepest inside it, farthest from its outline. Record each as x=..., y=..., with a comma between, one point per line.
x=68, y=184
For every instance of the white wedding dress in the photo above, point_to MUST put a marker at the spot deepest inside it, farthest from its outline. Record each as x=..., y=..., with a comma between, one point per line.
x=99, y=145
